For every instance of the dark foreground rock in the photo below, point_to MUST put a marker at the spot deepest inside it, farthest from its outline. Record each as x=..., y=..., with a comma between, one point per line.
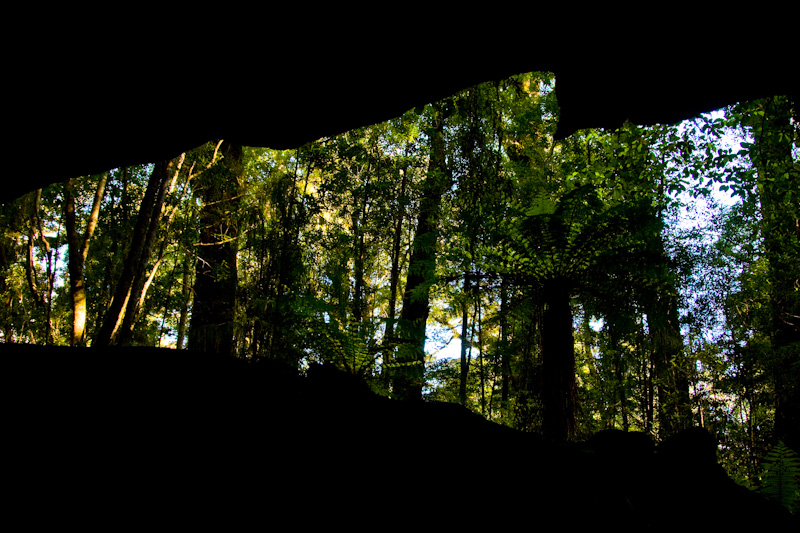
x=161, y=438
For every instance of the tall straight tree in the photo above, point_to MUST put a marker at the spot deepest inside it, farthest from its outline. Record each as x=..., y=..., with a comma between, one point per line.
x=410, y=361
x=671, y=370
x=775, y=135
x=559, y=388
x=133, y=272
x=77, y=253
x=216, y=276
x=642, y=177
x=394, y=274
x=475, y=166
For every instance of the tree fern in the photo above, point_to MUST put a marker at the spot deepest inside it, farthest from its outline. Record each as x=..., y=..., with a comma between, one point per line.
x=349, y=347
x=780, y=478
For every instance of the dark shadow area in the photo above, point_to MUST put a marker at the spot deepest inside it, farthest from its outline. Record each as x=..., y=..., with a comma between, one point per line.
x=126, y=433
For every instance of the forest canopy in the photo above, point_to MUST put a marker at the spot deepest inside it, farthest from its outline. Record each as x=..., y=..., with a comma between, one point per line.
x=591, y=283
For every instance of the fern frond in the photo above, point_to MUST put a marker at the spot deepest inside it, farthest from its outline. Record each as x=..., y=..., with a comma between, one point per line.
x=780, y=478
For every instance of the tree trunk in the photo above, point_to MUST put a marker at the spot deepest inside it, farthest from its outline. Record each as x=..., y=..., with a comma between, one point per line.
x=478, y=320
x=216, y=279
x=388, y=351
x=559, y=388
x=779, y=192
x=75, y=267
x=464, y=366
x=670, y=365
x=78, y=250
x=186, y=294
x=616, y=355
x=358, y=305
x=132, y=278
x=287, y=265
x=409, y=372
x=42, y=297
x=35, y=230
x=505, y=361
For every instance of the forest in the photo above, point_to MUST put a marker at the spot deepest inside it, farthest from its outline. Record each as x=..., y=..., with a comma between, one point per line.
x=643, y=279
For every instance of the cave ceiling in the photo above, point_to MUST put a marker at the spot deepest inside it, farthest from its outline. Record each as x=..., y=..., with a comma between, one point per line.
x=90, y=104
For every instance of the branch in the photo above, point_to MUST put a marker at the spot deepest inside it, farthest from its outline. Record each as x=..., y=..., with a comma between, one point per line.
x=95, y=214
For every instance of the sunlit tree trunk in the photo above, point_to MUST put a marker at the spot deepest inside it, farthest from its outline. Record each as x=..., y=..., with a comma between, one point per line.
x=133, y=274
x=78, y=250
x=186, y=294
x=143, y=279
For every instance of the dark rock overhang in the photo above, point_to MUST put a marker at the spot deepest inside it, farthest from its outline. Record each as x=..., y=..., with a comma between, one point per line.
x=88, y=103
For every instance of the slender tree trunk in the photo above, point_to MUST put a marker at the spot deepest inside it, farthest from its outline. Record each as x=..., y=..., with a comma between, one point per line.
x=481, y=366
x=464, y=366
x=216, y=280
x=670, y=365
x=186, y=294
x=35, y=231
x=45, y=298
x=505, y=361
x=617, y=358
x=52, y=260
x=650, y=395
x=75, y=267
x=358, y=304
x=78, y=250
x=394, y=280
x=622, y=392
x=409, y=373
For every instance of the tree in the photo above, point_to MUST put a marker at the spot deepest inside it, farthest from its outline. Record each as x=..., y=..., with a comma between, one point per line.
x=554, y=247
x=587, y=228
x=775, y=130
x=409, y=362
x=78, y=250
x=123, y=310
x=398, y=223
x=216, y=276
x=13, y=218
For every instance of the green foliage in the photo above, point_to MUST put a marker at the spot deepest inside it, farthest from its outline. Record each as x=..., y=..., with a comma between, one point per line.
x=442, y=377
x=780, y=477
x=351, y=348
